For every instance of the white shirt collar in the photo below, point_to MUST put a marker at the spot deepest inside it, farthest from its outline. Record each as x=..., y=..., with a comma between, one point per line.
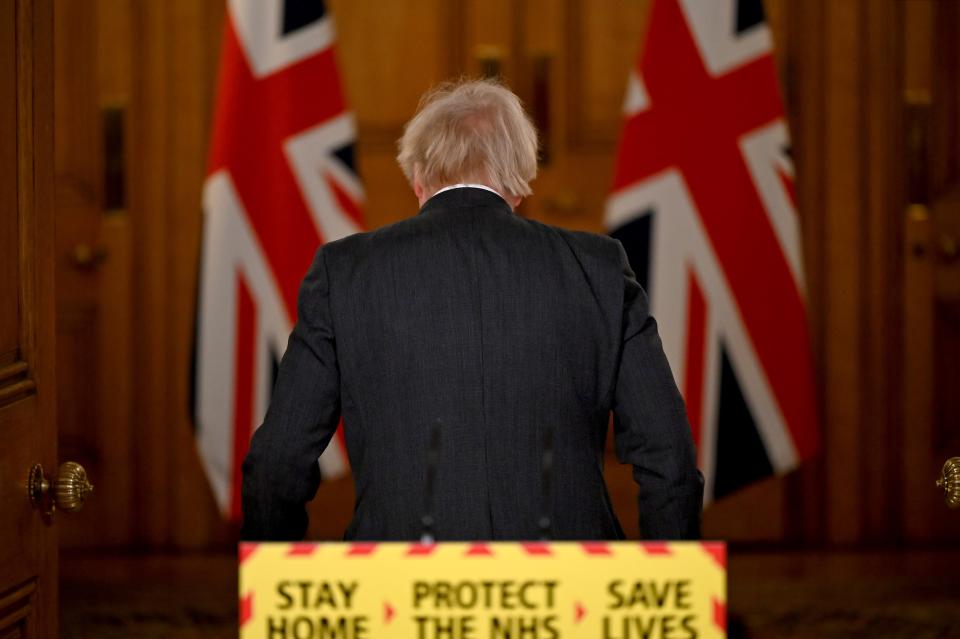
x=465, y=186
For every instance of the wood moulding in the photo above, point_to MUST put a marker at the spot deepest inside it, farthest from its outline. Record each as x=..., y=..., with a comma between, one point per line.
x=15, y=382
x=16, y=605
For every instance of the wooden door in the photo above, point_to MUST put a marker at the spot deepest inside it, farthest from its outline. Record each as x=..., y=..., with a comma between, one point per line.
x=931, y=294
x=134, y=84
x=568, y=61
x=28, y=547
x=92, y=80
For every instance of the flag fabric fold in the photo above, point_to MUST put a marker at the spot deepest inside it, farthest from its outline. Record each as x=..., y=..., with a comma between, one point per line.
x=280, y=182
x=703, y=201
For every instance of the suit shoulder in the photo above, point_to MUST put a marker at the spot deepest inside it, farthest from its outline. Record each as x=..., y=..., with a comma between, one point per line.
x=396, y=230
x=346, y=245
x=586, y=244
x=355, y=243
x=357, y=248
x=595, y=242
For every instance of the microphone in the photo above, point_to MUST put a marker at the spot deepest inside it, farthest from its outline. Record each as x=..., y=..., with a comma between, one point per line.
x=546, y=479
x=433, y=457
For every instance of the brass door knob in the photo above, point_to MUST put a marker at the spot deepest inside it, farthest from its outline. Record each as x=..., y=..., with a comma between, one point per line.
x=86, y=257
x=70, y=489
x=950, y=482
x=949, y=248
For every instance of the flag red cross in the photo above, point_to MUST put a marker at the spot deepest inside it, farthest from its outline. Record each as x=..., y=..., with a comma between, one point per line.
x=690, y=112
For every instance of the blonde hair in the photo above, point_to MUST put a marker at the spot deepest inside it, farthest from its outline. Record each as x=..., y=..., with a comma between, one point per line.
x=470, y=131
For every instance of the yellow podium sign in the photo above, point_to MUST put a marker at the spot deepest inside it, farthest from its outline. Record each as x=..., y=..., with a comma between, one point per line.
x=621, y=590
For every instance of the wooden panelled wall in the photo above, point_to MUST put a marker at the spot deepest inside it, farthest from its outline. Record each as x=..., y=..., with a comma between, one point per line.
x=842, y=65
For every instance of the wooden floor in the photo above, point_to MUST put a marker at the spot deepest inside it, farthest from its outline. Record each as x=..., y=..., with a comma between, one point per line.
x=148, y=597
x=787, y=595
x=776, y=595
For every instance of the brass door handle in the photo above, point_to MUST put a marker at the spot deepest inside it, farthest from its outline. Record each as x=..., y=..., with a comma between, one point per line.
x=70, y=489
x=949, y=248
x=86, y=257
x=950, y=482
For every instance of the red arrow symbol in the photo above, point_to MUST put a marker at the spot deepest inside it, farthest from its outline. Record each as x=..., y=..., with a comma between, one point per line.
x=388, y=612
x=246, y=608
x=579, y=612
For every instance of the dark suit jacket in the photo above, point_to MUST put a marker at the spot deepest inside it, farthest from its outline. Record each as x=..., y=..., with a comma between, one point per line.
x=500, y=327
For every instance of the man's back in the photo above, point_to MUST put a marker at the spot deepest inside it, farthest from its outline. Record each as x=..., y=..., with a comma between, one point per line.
x=504, y=335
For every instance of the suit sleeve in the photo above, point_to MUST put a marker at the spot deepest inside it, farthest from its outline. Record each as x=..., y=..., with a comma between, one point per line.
x=650, y=425
x=280, y=471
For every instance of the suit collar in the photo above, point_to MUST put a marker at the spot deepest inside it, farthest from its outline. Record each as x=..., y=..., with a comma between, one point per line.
x=465, y=197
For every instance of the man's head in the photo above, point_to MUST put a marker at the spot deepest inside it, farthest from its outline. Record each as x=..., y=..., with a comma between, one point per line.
x=470, y=132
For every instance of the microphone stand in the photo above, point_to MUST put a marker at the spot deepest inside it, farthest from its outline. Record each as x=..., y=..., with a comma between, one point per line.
x=433, y=457
x=546, y=483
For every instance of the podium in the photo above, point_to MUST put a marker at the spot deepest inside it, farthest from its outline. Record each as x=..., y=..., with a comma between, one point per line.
x=496, y=590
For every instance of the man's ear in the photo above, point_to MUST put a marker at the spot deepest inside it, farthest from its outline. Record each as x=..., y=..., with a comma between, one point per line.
x=418, y=189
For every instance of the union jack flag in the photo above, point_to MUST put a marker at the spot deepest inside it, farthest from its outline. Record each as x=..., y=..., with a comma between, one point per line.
x=280, y=182
x=703, y=201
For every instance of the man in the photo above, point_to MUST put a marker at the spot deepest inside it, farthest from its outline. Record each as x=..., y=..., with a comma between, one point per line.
x=463, y=348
